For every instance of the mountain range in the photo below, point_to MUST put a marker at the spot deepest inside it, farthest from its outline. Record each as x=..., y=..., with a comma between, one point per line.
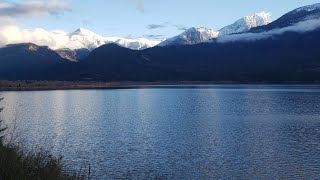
x=253, y=49
x=83, y=38
x=82, y=41
x=200, y=35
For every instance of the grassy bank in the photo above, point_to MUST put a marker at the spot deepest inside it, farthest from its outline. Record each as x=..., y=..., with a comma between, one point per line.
x=16, y=164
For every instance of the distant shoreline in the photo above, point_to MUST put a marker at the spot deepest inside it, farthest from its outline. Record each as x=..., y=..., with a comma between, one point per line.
x=30, y=85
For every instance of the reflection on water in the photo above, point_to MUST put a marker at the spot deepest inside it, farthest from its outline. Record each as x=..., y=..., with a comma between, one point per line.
x=215, y=132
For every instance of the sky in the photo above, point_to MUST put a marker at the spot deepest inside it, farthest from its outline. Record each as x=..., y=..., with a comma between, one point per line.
x=153, y=19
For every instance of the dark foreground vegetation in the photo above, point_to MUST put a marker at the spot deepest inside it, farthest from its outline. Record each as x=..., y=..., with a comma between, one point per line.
x=15, y=164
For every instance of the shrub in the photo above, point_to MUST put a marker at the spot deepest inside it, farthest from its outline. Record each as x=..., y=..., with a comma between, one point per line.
x=15, y=164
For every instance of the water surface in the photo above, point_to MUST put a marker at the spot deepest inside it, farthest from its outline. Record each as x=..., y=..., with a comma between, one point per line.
x=202, y=132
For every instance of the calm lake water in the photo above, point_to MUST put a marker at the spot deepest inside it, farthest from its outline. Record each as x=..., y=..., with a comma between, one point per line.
x=201, y=132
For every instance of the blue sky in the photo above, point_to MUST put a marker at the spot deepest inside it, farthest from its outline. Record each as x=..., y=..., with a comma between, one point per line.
x=139, y=18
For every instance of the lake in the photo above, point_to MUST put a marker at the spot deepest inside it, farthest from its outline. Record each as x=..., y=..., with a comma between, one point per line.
x=174, y=132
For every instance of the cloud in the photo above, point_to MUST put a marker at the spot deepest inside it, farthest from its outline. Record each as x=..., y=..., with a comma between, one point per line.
x=32, y=8
x=167, y=25
x=12, y=34
x=180, y=27
x=154, y=36
x=301, y=27
x=156, y=26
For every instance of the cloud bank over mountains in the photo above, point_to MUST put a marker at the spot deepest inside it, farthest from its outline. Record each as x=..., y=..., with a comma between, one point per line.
x=12, y=33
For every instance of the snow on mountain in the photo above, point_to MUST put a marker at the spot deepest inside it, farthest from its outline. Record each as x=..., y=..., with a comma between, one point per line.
x=301, y=20
x=300, y=14
x=68, y=54
x=309, y=8
x=136, y=44
x=246, y=23
x=191, y=36
x=83, y=38
x=200, y=35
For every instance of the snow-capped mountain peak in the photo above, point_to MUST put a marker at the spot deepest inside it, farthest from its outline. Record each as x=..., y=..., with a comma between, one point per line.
x=246, y=23
x=258, y=19
x=136, y=44
x=299, y=15
x=82, y=31
x=200, y=35
x=85, y=33
x=309, y=8
x=191, y=36
x=82, y=38
x=199, y=29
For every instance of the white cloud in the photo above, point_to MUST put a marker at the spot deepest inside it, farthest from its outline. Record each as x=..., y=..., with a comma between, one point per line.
x=12, y=34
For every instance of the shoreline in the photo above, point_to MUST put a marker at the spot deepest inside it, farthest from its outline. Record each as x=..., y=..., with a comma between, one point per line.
x=30, y=85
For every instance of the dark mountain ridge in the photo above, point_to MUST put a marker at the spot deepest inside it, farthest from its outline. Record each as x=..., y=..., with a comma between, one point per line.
x=26, y=61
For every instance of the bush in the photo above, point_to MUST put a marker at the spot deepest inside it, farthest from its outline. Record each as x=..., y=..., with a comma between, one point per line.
x=15, y=164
